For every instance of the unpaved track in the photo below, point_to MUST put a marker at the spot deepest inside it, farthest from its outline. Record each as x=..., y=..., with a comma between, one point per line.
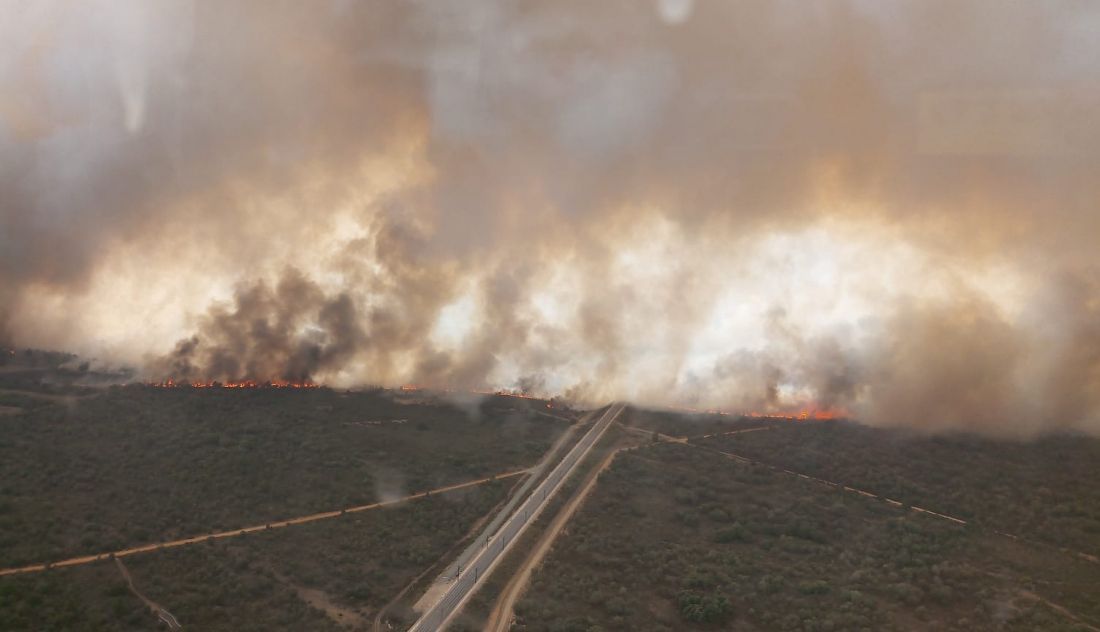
x=500, y=619
x=896, y=503
x=731, y=432
x=380, y=616
x=1059, y=609
x=649, y=433
x=49, y=397
x=473, y=576
x=161, y=613
x=88, y=559
x=442, y=583
x=320, y=600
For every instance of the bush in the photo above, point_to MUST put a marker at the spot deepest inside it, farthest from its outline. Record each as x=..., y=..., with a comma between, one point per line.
x=685, y=496
x=735, y=533
x=815, y=587
x=688, y=518
x=704, y=608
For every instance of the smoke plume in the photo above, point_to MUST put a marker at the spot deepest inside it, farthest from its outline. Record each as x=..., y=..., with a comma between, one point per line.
x=885, y=208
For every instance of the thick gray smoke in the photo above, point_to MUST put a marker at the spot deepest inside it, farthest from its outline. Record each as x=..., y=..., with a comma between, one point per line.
x=287, y=333
x=886, y=208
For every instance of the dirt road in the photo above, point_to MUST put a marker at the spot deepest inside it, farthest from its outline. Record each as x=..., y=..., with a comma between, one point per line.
x=896, y=503
x=160, y=612
x=500, y=619
x=473, y=575
x=88, y=559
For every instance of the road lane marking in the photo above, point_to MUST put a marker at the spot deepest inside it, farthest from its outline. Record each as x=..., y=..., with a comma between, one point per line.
x=482, y=565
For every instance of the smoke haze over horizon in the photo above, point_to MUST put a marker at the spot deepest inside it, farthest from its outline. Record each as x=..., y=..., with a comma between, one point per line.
x=887, y=208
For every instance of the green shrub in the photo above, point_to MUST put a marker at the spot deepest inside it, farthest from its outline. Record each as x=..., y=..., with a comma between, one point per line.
x=699, y=608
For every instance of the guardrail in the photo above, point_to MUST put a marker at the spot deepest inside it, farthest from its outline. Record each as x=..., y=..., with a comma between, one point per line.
x=439, y=614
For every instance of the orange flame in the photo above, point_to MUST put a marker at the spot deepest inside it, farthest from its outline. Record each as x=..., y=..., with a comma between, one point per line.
x=812, y=413
x=805, y=414
x=276, y=383
x=498, y=393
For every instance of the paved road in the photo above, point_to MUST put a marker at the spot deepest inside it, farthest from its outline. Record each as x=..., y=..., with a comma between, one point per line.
x=553, y=455
x=436, y=617
x=500, y=619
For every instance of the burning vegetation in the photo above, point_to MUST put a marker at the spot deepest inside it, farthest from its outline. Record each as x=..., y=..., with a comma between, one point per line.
x=884, y=246
x=499, y=392
x=232, y=384
x=807, y=413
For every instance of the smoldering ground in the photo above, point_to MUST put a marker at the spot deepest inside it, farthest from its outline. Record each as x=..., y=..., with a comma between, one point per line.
x=751, y=204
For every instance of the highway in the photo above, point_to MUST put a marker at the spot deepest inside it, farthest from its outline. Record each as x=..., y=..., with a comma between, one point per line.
x=471, y=577
x=552, y=456
x=500, y=618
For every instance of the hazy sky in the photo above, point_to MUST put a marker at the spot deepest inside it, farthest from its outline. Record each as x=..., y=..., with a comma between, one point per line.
x=885, y=207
